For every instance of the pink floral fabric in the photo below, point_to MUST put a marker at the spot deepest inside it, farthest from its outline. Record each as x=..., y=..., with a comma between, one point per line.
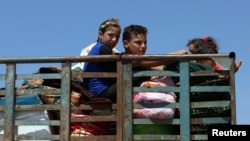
x=155, y=97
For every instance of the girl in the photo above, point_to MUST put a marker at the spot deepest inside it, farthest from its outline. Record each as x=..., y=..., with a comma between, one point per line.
x=108, y=37
x=113, y=22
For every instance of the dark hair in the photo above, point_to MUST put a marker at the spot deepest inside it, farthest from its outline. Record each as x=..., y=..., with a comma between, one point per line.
x=131, y=30
x=205, y=45
x=212, y=43
x=193, y=41
x=107, y=23
x=201, y=47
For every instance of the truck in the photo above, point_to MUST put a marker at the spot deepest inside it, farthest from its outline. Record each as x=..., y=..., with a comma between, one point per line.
x=51, y=111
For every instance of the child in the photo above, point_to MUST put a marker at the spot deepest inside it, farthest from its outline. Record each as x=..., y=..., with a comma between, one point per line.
x=205, y=45
x=102, y=30
x=208, y=45
x=108, y=36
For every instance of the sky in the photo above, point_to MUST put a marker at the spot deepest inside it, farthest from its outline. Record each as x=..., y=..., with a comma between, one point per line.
x=36, y=28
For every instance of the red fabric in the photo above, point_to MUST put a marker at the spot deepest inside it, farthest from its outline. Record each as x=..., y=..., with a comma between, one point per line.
x=88, y=128
x=217, y=66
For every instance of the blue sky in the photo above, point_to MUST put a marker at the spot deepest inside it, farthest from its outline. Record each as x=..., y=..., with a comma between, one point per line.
x=30, y=28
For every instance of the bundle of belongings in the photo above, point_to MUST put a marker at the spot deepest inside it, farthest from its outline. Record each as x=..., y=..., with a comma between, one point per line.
x=155, y=97
x=40, y=115
x=79, y=95
x=155, y=112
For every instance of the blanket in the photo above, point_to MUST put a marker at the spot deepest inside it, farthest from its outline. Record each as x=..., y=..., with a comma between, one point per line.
x=155, y=97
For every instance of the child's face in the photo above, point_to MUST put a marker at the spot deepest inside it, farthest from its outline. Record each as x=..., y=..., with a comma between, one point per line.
x=110, y=36
x=137, y=45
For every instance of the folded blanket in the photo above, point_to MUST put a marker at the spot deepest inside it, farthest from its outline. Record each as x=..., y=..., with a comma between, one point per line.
x=155, y=97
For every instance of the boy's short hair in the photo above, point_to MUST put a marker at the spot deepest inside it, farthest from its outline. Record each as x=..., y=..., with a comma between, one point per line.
x=131, y=30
